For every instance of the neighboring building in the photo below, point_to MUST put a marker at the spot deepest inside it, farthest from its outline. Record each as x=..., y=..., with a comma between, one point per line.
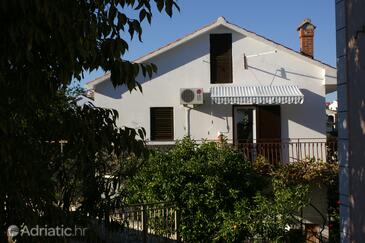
x=242, y=85
x=333, y=105
x=350, y=26
x=331, y=121
x=331, y=111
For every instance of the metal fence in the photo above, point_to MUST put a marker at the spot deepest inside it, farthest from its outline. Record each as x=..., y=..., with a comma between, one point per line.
x=150, y=222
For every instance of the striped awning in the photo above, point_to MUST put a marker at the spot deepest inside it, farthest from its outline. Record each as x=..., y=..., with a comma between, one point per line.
x=248, y=95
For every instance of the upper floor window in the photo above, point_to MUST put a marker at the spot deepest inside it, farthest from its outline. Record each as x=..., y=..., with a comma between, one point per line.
x=220, y=58
x=162, y=123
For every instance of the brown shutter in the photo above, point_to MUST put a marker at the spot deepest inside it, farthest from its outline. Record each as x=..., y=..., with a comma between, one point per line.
x=221, y=58
x=162, y=123
x=269, y=122
x=269, y=133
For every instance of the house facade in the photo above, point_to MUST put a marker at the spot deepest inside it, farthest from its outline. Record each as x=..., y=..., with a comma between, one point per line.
x=245, y=87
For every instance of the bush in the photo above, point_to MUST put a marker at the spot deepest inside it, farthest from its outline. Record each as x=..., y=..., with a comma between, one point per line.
x=203, y=180
x=222, y=197
x=264, y=217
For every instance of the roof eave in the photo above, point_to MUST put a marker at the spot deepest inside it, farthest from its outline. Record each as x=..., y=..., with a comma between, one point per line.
x=162, y=49
x=277, y=45
x=91, y=84
x=220, y=22
x=179, y=42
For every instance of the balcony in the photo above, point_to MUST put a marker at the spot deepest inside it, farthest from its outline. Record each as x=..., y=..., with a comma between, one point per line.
x=290, y=150
x=279, y=150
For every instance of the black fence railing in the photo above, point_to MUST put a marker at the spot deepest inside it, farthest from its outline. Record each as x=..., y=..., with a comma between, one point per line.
x=153, y=222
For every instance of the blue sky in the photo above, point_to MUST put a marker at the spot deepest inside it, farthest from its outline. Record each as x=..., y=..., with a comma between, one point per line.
x=276, y=20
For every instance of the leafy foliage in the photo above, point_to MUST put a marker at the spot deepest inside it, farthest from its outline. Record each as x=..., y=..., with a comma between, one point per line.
x=202, y=179
x=44, y=45
x=58, y=40
x=264, y=217
x=307, y=171
x=222, y=197
x=42, y=184
x=333, y=212
x=274, y=215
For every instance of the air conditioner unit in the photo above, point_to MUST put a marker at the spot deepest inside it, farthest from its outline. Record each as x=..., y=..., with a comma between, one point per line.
x=191, y=96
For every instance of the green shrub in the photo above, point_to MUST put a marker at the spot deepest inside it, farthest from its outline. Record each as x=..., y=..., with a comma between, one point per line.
x=264, y=217
x=204, y=180
x=222, y=197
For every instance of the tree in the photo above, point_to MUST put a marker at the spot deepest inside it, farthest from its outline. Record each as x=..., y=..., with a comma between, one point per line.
x=203, y=180
x=44, y=46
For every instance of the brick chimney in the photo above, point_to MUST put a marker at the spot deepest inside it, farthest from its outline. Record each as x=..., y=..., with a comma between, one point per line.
x=306, y=35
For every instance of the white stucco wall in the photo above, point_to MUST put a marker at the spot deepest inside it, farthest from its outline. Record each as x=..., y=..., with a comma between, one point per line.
x=187, y=66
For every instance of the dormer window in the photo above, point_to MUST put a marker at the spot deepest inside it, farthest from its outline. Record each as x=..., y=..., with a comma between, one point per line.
x=220, y=58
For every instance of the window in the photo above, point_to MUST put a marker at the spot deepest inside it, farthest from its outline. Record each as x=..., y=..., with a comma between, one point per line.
x=220, y=58
x=162, y=123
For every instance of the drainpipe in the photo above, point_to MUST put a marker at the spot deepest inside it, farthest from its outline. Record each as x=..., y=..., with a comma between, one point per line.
x=187, y=120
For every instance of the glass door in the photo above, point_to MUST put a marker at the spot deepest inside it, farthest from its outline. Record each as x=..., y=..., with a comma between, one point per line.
x=244, y=124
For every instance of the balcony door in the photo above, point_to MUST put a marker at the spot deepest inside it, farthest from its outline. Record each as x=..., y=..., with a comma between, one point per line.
x=268, y=123
x=269, y=133
x=244, y=119
x=257, y=131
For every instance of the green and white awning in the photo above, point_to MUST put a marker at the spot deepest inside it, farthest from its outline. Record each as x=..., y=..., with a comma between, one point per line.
x=249, y=95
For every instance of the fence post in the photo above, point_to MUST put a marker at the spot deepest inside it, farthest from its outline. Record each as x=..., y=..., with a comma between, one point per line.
x=144, y=223
x=177, y=218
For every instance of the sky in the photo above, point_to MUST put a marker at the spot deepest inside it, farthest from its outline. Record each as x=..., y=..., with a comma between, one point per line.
x=273, y=19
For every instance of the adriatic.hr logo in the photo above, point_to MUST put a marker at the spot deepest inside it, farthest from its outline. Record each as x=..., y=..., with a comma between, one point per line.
x=47, y=231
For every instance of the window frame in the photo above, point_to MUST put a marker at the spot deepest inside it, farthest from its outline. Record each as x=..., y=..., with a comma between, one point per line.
x=217, y=60
x=154, y=127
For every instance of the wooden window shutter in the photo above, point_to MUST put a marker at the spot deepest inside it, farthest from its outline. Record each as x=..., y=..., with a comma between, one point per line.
x=162, y=123
x=269, y=122
x=220, y=58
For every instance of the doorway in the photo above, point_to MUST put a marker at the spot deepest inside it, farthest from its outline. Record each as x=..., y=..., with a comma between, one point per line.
x=244, y=119
x=257, y=131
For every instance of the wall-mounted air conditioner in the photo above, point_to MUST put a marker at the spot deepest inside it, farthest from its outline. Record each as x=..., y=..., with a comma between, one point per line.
x=191, y=96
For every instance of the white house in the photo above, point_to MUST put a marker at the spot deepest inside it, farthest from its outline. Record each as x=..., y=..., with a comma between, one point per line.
x=236, y=83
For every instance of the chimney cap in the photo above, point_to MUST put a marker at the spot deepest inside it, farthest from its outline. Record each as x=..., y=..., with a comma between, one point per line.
x=306, y=22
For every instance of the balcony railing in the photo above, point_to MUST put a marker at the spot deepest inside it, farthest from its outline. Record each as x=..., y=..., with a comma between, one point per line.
x=280, y=150
x=289, y=150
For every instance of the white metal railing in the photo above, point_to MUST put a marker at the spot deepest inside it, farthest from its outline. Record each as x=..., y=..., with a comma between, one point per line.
x=279, y=150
